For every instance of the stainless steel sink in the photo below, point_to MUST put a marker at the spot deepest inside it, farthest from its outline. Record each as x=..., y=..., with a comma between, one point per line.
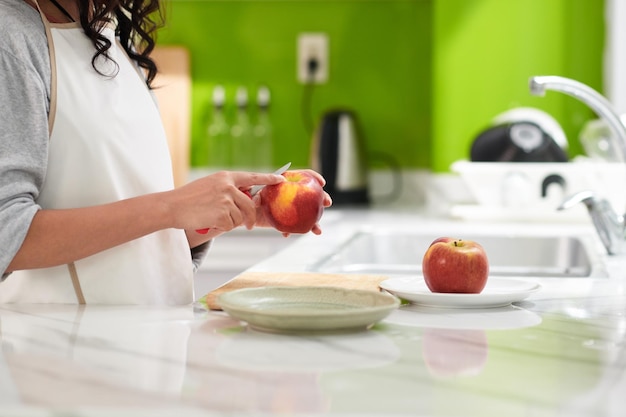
x=395, y=253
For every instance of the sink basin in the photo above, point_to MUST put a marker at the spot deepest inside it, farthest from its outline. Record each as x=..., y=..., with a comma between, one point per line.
x=393, y=253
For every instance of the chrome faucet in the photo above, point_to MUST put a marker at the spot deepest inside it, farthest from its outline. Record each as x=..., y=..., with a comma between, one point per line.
x=610, y=226
x=596, y=101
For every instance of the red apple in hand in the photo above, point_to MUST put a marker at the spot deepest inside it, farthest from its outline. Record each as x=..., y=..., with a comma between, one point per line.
x=455, y=266
x=295, y=205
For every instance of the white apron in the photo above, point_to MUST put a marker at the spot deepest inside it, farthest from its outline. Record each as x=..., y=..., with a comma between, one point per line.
x=107, y=143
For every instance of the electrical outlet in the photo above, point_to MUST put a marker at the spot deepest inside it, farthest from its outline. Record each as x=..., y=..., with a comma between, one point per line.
x=312, y=47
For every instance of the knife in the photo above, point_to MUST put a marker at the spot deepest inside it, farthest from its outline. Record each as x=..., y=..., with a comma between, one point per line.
x=254, y=191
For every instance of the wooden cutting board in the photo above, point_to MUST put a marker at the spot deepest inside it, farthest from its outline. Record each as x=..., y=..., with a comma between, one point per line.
x=172, y=88
x=294, y=279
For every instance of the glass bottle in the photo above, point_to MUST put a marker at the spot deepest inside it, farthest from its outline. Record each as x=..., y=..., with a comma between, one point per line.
x=218, y=133
x=262, y=132
x=241, y=133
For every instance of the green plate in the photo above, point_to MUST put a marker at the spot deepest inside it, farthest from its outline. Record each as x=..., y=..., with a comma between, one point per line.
x=307, y=309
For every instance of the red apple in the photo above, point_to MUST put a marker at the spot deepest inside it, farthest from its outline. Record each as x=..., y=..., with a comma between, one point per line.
x=295, y=205
x=455, y=266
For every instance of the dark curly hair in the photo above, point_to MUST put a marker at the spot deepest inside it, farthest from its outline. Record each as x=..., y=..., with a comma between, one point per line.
x=136, y=23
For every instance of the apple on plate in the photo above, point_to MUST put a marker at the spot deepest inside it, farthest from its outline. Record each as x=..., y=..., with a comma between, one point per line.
x=453, y=265
x=294, y=205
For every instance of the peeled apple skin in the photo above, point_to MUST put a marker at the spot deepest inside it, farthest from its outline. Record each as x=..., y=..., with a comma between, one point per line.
x=295, y=205
x=455, y=266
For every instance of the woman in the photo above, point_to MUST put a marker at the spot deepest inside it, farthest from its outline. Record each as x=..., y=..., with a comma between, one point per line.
x=88, y=212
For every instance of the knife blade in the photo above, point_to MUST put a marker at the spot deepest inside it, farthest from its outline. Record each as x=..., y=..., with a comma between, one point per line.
x=257, y=188
x=254, y=190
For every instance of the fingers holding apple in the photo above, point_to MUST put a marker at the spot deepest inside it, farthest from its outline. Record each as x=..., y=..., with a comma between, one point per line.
x=296, y=204
x=322, y=181
x=455, y=266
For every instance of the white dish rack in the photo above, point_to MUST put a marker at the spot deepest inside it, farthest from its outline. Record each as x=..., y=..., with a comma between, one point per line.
x=533, y=191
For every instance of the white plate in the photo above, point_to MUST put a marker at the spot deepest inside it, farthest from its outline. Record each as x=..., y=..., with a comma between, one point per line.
x=307, y=309
x=497, y=293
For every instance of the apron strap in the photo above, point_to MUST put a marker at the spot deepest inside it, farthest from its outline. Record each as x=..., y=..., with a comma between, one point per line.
x=53, y=76
x=53, y=93
x=76, y=283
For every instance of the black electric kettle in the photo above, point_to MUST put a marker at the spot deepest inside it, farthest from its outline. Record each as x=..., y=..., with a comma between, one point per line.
x=338, y=154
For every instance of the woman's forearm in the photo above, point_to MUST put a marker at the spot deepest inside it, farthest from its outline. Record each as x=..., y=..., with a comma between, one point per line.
x=56, y=237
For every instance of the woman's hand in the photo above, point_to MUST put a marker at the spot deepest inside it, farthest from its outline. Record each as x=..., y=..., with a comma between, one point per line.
x=217, y=201
x=261, y=220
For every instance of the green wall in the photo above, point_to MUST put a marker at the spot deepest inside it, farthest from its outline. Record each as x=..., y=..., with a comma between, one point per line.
x=379, y=66
x=484, y=52
x=424, y=76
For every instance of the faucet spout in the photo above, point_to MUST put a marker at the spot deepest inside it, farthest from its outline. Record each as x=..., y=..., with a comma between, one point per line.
x=597, y=102
x=610, y=226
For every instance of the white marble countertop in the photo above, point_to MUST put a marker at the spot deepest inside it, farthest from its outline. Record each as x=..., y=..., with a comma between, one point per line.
x=561, y=352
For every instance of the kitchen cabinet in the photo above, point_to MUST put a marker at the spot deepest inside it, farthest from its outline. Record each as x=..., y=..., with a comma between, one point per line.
x=173, y=94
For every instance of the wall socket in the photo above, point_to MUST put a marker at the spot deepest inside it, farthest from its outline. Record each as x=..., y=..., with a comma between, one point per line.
x=312, y=46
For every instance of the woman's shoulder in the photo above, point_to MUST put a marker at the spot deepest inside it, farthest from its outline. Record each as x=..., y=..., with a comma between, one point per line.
x=20, y=27
x=23, y=38
x=18, y=13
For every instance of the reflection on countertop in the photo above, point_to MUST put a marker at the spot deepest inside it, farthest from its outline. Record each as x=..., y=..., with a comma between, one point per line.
x=561, y=351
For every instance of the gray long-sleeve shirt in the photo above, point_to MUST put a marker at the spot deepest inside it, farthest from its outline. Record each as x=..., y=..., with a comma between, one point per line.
x=24, y=104
x=25, y=75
